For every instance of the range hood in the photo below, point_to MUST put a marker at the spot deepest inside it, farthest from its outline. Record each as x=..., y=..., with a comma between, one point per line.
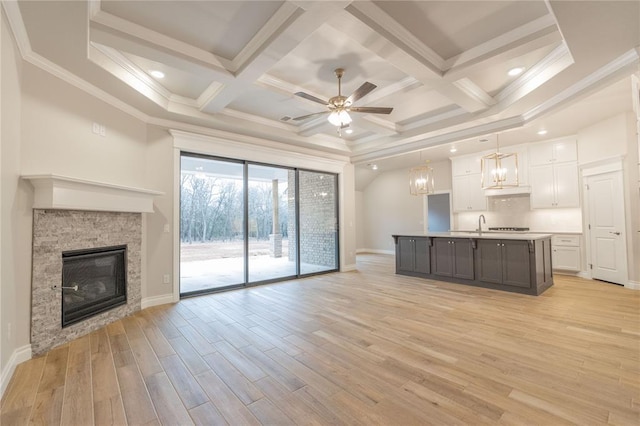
x=513, y=190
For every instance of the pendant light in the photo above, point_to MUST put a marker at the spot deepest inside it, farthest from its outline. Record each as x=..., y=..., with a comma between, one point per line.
x=499, y=170
x=421, y=179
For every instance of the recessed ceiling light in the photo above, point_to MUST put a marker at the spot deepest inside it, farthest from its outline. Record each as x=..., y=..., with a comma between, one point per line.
x=348, y=131
x=542, y=132
x=453, y=149
x=515, y=71
x=156, y=74
x=374, y=167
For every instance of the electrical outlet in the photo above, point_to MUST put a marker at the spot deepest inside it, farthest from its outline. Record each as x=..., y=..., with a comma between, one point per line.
x=166, y=278
x=95, y=128
x=103, y=130
x=166, y=228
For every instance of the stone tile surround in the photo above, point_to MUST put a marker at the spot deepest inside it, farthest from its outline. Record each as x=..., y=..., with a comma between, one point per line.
x=55, y=231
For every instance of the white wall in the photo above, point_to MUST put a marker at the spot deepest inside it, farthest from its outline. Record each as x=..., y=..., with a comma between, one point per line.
x=159, y=244
x=360, y=221
x=389, y=208
x=57, y=134
x=15, y=229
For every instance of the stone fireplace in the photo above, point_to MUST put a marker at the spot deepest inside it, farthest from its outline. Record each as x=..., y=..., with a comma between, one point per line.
x=87, y=256
x=56, y=232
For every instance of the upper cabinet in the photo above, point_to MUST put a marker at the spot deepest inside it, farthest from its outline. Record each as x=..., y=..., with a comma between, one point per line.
x=558, y=151
x=553, y=174
x=466, y=165
x=468, y=194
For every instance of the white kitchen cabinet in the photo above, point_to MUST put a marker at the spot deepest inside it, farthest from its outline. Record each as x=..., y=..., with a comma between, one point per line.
x=468, y=194
x=554, y=186
x=565, y=252
x=558, y=151
x=466, y=165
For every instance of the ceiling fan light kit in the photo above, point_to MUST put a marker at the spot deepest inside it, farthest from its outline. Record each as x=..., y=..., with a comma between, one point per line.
x=339, y=118
x=340, y=106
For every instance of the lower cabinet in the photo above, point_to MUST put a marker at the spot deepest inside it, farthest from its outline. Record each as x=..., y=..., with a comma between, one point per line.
x=566, y=252
x=453, y=257
x=522, y=266
x=413, y=255
x=506, y=262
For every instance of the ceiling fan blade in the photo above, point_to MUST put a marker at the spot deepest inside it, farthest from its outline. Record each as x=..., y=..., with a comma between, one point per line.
x=360, y=92
x=304, y=117
x=311, y=98
x=372, y=110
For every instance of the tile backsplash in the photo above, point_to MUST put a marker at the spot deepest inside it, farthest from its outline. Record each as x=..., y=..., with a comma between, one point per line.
x=515, y=210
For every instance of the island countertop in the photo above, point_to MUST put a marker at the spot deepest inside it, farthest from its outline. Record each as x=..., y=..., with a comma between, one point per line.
x=487, y=235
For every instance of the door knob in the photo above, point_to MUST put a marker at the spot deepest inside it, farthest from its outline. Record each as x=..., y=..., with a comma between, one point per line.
x=616, y=233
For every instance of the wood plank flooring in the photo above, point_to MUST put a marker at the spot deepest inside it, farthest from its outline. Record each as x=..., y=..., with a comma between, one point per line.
x=367, y=347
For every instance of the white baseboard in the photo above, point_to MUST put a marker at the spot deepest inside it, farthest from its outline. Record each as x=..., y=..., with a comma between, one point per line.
x=633, y=285
x=374, y=251
x=18, y=356
x=148, y=302
x=584, y=274
x=348, y=268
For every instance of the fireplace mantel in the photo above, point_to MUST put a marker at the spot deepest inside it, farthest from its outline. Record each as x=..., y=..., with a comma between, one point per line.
x=66, y=193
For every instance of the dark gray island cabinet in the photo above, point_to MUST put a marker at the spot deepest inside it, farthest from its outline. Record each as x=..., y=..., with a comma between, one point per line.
x=512, y=262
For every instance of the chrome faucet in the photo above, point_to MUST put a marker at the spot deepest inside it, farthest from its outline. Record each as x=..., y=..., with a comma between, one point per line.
x=480, y=223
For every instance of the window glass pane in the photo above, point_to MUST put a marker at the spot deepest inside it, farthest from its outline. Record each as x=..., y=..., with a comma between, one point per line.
x=211, y=224
x=272, y=240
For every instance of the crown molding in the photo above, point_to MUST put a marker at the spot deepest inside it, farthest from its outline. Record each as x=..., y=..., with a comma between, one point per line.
x=370, y=13
x=14, y=17
x=162, y=42
x=274, y=26
x=627, y=61
x=521, y=35
x=120, y=66
x=422, y=141
x=474, y=91
x=555, y=62
x=257, y=119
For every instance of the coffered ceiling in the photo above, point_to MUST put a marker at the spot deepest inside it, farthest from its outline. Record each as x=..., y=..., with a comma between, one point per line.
x=234, y=66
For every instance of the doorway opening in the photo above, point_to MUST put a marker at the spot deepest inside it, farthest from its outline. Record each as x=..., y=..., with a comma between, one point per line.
x=438, y=208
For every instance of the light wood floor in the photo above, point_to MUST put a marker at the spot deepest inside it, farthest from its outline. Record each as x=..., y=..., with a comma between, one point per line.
x=366, y=347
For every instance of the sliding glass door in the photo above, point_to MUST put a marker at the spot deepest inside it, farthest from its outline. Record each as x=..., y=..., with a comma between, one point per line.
x=271, y=212
x=244, y=223
x=212, y=249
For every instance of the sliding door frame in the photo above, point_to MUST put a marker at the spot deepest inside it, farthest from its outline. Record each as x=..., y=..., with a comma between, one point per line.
x=223, y=144
x=245, y=225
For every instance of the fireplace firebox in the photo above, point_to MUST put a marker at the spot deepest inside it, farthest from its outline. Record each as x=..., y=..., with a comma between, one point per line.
x=93, y=281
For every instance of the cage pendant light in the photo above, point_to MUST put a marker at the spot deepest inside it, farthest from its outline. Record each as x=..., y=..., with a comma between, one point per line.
x=499, y=170
x=421, y=179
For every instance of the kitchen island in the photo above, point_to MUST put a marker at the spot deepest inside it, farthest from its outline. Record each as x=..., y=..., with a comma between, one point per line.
x=518, y=262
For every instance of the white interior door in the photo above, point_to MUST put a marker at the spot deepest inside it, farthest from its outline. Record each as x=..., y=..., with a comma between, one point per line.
x=607, y=227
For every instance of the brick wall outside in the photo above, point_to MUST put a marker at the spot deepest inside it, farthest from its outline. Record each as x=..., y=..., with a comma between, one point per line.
x=55, y=231
x=317, y=219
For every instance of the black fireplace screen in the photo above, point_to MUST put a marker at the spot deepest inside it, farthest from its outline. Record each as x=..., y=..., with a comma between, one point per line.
x=93, y=281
